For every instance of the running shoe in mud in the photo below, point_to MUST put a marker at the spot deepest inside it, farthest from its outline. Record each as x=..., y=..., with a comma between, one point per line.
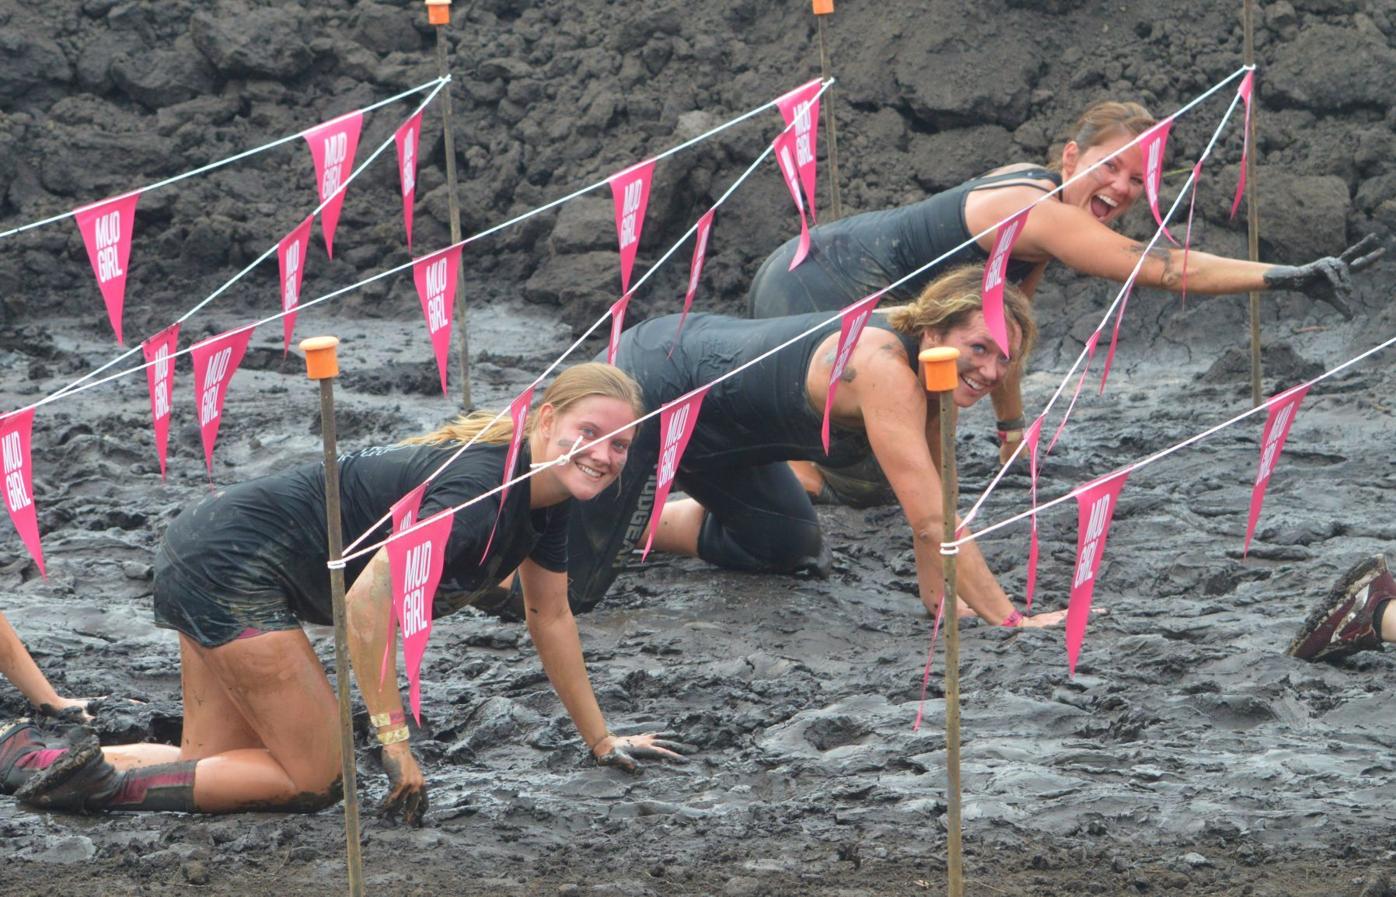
x=1344, y=621
x=24, y=752
x=81, y=779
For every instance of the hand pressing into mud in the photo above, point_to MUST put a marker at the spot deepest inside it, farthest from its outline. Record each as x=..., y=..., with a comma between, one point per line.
x=407, y=787
x=1328, y=279
x=70, y=710
x=623, y=752
x=1043, y=621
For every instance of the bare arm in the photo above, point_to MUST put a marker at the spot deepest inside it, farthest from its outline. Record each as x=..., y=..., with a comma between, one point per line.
x=17, y=666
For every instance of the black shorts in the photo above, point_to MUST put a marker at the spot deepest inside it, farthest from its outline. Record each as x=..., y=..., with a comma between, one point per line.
x=217, y=576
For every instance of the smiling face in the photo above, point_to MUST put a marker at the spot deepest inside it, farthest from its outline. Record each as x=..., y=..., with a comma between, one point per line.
x=982, y=365
x=1108, y=191
x=591, y=469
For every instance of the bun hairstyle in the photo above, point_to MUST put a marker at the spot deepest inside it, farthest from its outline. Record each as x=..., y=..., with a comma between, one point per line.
x=578, y=382
x=1104, y=121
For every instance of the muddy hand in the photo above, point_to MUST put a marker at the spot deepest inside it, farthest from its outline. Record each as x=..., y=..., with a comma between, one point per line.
x=1042, y=621
x=623, y=752
x=407, y=787
x=71, y=710
x=1328, y=279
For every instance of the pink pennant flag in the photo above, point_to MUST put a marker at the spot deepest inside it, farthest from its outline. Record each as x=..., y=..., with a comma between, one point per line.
x=1281, y=411
x=630, y=189
x=676, y=421
x=415, y=561
x=1091, y=343
x=855, y=317
x=15, y=429
x=332, y=147
x=1187, y=236
x=290, y=255
x=216, y=359
x=1154, y=145
x=695, y=269
x=1095, y=509
x=407, y=138
x=994, y=271
x=1115, y=334
x=106, y=232
x=405, y=512
x=617, y=324
x=1245, y=91
x=435, y=276
x=518, y=413
x=801, y=106
x=1031, y=437
x=160, y=377
x=785, y=151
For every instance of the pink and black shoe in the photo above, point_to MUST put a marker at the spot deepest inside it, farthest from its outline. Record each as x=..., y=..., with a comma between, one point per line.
x=1347, y=619
x=26, y=752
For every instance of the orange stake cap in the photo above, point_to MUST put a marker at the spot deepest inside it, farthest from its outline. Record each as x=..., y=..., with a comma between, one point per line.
x=439, y=12
x=321, y=362
x=938, y=367
x=823, y=7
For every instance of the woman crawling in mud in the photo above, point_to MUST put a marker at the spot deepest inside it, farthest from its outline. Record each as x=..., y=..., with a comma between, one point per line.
x=238, y=572
x=746, y=510
x=855, y=256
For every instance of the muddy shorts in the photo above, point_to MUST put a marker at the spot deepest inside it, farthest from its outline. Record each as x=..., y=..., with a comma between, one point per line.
x=216, y=577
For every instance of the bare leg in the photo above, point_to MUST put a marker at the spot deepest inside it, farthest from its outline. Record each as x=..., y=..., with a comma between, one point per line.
x=811, y=480
x=679, y=526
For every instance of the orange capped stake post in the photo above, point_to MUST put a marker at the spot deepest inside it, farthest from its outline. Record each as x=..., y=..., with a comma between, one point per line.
x=439, y=12
x=941, y=372
x=823, y=7
x=322, y=364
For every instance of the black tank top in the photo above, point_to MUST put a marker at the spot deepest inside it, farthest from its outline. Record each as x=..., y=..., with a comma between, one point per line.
x=855, y=256
x=761, y=415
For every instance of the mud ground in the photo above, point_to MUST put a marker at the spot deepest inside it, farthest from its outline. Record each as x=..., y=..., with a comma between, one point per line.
x=1187, y=755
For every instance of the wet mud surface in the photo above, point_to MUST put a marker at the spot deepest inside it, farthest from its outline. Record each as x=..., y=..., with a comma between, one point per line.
x=1187, y=755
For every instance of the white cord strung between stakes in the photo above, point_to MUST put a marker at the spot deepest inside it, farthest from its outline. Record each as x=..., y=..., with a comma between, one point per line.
x=1160, y=455
x=73, y=387
x=799, y=336
x=1188, y=185
x=436, y=82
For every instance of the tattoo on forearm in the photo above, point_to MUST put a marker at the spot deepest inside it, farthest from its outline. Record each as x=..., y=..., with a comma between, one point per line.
x=1170, y=274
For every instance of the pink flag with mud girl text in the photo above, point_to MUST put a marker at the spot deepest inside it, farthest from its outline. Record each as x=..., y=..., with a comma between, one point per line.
x=695, y=268
x=415, y=561
x=630, y=190
x=784, y=146
x=159, y=375
x=332, y=146
x=291, y=253
x=405, y=512
x=1095, y=509
x=1245, y=91
x=216, y=359
x=801, y=106
x=518, y=413
x=1154, y=145
x=855, y=318
x=994, y=272
x=407, y=138
x=15, y=430
x=106, y=232
x=676, y=422
x=435, y=277
x=1280, y=414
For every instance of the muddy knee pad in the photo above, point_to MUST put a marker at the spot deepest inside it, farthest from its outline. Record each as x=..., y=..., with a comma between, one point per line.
x=795, y=545
x=861, y=485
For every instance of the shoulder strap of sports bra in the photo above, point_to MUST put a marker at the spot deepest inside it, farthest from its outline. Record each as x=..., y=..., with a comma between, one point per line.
x=1019, y=178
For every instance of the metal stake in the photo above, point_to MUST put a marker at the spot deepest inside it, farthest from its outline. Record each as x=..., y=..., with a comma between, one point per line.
x=322, y=365
x=1252, y=208
x=939, y=367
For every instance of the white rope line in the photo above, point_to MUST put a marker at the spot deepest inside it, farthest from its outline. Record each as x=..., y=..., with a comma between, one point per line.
x=437, y=82
x=1128, y=285
x=73, y=387
x=751, y=169
x=1157, y=456
x=348, y=556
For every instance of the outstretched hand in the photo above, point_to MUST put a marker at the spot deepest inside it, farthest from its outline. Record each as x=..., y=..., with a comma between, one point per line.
x=1328, y=279
x=1042, y=621
x=407, y=787
x=625, y=751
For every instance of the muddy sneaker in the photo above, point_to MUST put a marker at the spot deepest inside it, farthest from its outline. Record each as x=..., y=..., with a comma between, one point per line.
x=1342, y=623
x=21, y=745
x=81, y=779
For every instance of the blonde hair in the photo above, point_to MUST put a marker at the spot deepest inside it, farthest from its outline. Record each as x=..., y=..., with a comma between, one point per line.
x=578, y=382
x=951, y=299
x=1104, y=121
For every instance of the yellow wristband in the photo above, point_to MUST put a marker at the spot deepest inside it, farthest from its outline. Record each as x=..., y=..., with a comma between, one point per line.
x=393, y=735
x=384, y=720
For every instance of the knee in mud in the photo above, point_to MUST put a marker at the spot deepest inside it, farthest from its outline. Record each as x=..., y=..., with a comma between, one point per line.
x=315, y=801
